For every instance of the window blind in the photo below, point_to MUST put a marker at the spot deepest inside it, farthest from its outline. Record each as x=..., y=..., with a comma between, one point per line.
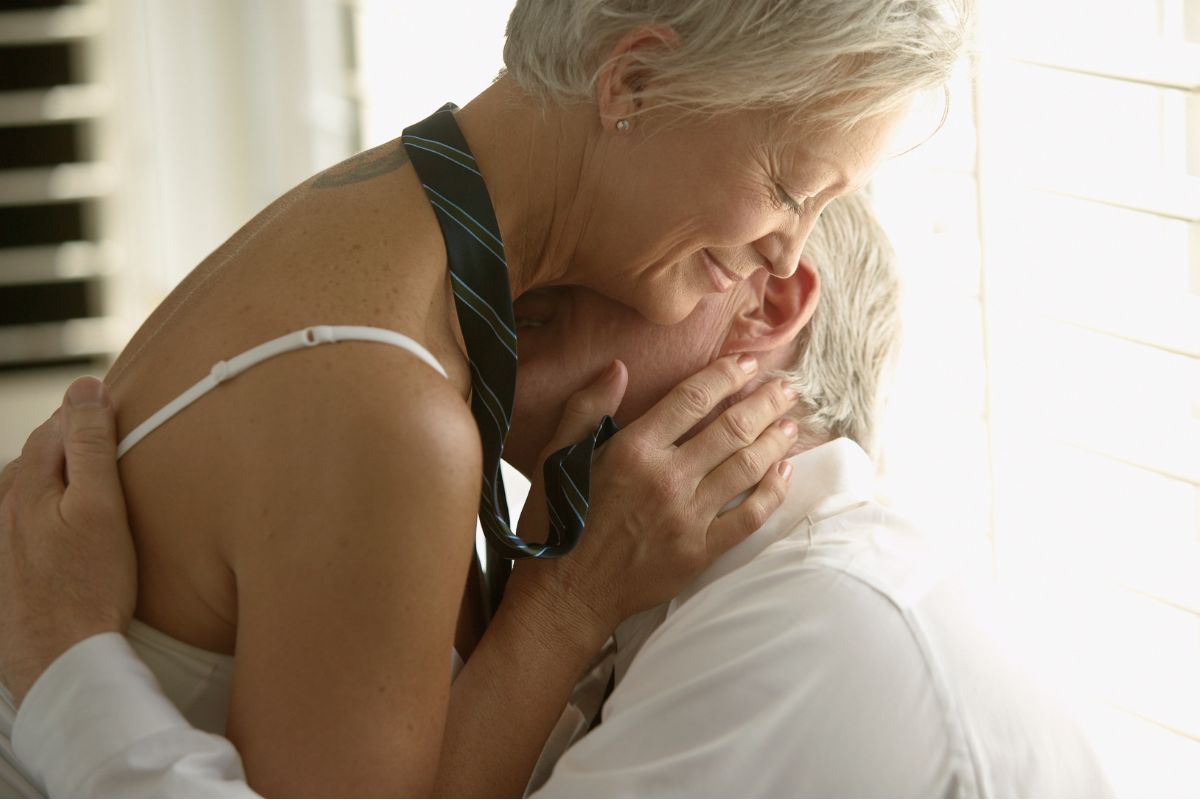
x=54, y=183
x=1054, y=259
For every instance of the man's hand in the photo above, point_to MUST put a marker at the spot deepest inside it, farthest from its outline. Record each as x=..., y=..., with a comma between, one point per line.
x=67, y=564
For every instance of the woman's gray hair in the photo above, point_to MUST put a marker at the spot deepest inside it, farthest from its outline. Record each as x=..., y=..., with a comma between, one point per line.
x=844, y=356
x=830, y=61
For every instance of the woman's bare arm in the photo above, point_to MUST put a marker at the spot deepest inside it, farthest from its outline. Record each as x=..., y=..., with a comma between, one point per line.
x=349, y=584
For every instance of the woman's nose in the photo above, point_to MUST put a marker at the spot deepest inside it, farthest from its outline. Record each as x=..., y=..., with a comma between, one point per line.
x=782, y=248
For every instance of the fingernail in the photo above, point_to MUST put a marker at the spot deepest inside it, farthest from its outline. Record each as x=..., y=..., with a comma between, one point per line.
x=789, y=391
x=85, y=393
x=788, y=427
x=785, y=470
x=747, y=362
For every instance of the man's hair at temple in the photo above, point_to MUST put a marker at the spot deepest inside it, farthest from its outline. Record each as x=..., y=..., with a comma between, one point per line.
x=844, y=355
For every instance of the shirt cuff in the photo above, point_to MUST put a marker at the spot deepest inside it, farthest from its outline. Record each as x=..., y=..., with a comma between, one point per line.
x=95, y=701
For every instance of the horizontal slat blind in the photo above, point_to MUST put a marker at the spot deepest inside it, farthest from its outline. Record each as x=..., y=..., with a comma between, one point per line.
x=53, y=186
x=1067, y=295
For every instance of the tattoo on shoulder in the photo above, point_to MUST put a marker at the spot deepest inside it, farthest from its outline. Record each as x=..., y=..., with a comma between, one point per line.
x=364, y=166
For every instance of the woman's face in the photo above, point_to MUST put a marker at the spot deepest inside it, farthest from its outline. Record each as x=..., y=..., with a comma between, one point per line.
x=681, y=211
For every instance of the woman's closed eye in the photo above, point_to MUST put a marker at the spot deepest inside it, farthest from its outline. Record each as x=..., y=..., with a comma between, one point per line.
x=785, y=199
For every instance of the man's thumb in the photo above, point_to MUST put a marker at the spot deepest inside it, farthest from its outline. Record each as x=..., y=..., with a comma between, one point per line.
x=90, y=437
x=585, y=408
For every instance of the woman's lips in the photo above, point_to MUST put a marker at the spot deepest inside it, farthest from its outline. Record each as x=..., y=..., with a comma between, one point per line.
x=721, y=277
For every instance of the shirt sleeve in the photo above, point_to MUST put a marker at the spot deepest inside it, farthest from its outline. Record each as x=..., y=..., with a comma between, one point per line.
x=96, y=723
x=774, y=684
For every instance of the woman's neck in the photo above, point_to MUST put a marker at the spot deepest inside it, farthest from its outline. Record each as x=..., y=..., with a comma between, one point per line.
x=531, y=157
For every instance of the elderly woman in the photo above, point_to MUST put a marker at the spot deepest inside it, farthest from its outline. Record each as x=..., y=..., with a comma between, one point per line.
x=318, y=511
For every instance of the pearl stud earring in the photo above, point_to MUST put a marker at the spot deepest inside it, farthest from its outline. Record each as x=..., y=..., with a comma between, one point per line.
x=622, y=126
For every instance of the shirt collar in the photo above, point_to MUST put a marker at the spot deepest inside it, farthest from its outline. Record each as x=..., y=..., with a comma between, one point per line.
x=827, y=479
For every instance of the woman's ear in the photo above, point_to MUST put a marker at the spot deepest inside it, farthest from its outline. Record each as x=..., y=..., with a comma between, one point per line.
x=775, y=310
x=624, y=74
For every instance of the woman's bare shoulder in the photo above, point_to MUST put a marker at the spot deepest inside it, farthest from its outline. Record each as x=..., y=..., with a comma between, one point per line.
x=378, y=403
x=371, y=447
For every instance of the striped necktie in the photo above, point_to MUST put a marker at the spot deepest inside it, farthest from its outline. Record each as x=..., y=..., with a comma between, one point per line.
x=483, y=298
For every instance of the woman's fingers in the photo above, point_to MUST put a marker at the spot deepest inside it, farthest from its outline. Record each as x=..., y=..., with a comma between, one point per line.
x=693, y=400
x=748, y=516
x=582, y=413
x=586, y=407
x=741, y=471
x=738, y=427
x=653, y=520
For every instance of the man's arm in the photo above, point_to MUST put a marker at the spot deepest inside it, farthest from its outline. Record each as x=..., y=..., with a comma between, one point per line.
x=92, y=719
x=96, y=724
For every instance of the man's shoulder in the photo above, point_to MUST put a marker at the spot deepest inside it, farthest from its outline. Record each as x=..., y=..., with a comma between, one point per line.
x=862, y=569
x=808, y=669
x=816, y=607
x=838, y=601
x=871, y=629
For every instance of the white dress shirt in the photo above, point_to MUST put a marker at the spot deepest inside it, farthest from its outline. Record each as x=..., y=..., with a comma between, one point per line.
x=829, y=654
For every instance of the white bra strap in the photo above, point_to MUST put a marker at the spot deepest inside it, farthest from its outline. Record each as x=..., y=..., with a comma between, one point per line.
x=309, y=337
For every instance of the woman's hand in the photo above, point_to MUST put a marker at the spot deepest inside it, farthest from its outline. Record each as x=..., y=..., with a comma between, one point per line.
x=656, y=515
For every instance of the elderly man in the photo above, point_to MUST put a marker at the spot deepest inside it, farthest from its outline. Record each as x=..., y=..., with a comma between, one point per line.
x=830, y=654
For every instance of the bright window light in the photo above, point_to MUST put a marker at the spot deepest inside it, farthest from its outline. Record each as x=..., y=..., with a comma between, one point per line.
x=1046, y=411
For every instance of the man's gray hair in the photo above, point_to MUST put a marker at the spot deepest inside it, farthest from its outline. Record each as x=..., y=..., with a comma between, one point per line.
x=834, y=61
x=844, y=356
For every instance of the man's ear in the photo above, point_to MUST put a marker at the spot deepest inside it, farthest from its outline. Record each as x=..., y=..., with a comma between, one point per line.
x=775, y=310
x=624, y=74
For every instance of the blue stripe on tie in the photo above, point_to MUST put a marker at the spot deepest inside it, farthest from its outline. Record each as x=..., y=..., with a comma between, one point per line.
x=458, y=282
x=453, y=161
x=492, y=414
x=462, y=225
x=468, y=156
x=493, y=236
x=496, y=317
x=499, y=405
x=499, y=336
x=553, y=513
x=496, y=504
x=484, y=318
x=579, y=514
